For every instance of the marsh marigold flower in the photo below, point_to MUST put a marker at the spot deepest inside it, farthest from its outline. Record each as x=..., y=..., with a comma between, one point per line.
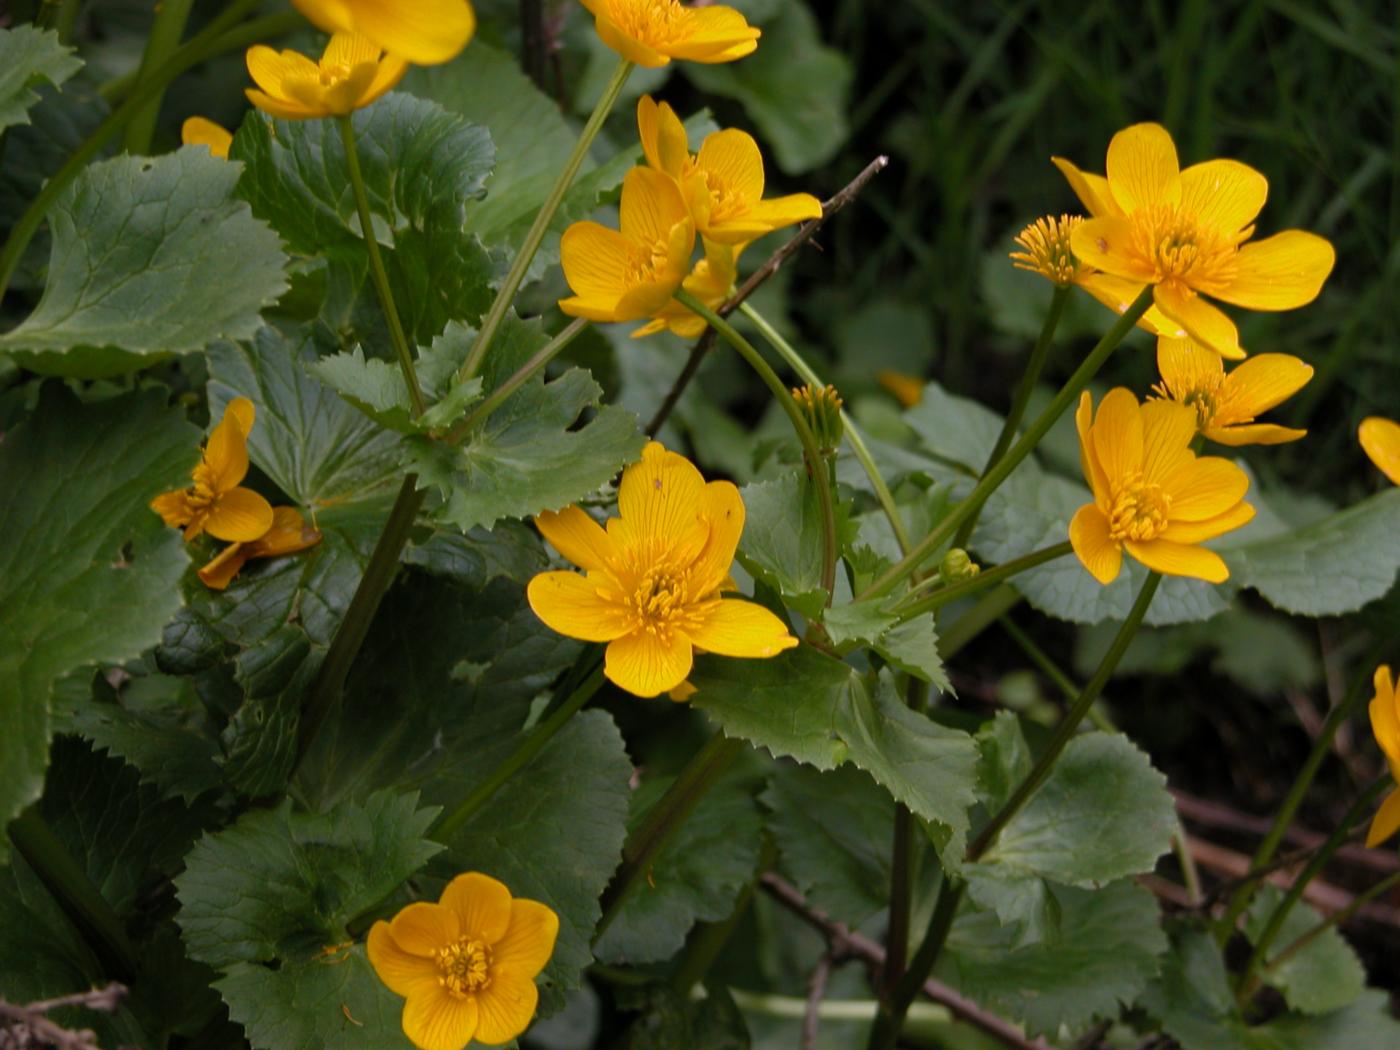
x=653, y=578
x=711, y=281
x=197, y=131
x=1153, y=496
x=1184, y=233
x=723, y=183
x=426, y=32
x=1380, y=438
x=467, y=964
x=633, y=273
x=907, y=390
x=1227, y=404
x=288, y=535
x=1385, y=724
x=216, y=503
x=652, y=32
x=353, y=72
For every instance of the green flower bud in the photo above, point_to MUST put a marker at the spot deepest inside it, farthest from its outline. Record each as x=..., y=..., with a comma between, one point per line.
x=957, y=566
x=822, y=408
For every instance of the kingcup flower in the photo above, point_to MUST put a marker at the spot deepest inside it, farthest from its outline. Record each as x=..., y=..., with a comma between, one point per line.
x=723, y=183
x=1185, y=234
x=288, y=535
x=216, y=503
x=466, y=966
x=907, y=390
x=630, y=274
x=711, y=281
x=353, y=72
x=1385, y=724
x=425, y=32
x=1227, y=404
x=653, y=578
x=1380, y=438
x=1153, y=496
x=652, y=32
x=197, y=131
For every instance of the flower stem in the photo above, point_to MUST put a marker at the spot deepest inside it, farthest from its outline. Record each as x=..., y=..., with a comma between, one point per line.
x=376, y=266
x=60, y=16
x=1335, y=919
x=853, y=435
x=901, y=872
x=169, y=26
x=1018, y=452
x=701, y=773
x=996, y=574
x=505, y=296
x=816, y=464
x=1034, y=366
x=890, y=1018
x=450, y=823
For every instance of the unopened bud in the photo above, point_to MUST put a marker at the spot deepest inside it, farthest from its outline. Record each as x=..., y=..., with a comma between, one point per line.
x=821, y=406
x=957, y=566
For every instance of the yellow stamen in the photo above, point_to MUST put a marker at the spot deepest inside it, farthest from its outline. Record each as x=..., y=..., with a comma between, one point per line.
x=1140, y=511
x=1047, y=251
x=465, y=967
x=1174, y=244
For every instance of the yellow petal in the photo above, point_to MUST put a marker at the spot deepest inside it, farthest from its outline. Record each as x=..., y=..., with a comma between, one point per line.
x=646, y=665
x=1187, y=367
x=1205, y=323
x=507, y=1005
x=576, y=536
x=908, y=390
x=174, y=508
x=1118, y=435
x=682, y=692
x=1097, y=552
x=197, y=131
x=421, y=928
x=426, y=32
x=1240, y=434
x=625, y=44
x=777, y=212
x=404, y=973
x=570, y=605
x=649, y=131
x=1088, y=461
x=226, y=453
x=348, y=50
x=596, y=261
x=482, y=905
x=664, y=140
x=334, y=16
x=1107, y=244
x=651, y=207
x=1239, y=515
x=288, y=535
x=219, y=573
x=1259, y=384
x=1385, y=718
x=1281, y=272
x=281, y=108
x=387, y=75
x=529, y=940
x=733, y=160
x=1167, y=431
x=270, y=68
x=1092, y=190
x=1142, y=167
x=716, y=34
x=1204, y=488
x=722, y=510
x=1179, y=559
x=1386, y=822
x=434, y=1020
x=1118, y=293
x=730, y=627
x=239, y=516
x=243, y=413
x=1224, y=195
x=660, y=496
x=1380, y=438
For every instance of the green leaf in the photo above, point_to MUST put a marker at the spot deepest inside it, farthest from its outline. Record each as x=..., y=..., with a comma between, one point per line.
x=833, y=832
x=377, y=388
x=1105, y=813
x=1005, y=759
x=794, y=87
x=1324, y=976
x=279, y=885
x=912, y=646
x=29, y=55
x=697, y=876
x=1108, y=950
x=783, y=540
x=669, y=1020
x=530, y=455
x=152, y=256
x=552, y=833
x=510, y=551
x=88, y=573
x=1025, y=903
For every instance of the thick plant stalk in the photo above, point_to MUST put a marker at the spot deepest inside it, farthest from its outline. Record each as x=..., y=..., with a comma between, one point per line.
x=983, y=580
x=169, y=26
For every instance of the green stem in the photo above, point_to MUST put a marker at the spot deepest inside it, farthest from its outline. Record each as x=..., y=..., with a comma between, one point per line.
x=80, y=900
x=893, y=1012
x=985, y=612
x=58, y=15
x=1248, y=982
x=542, y=357
x=709, y=939
x=901, y=874
x=376, y=266
x=701, y=773
x=1322, y=746
x=166, y=31
x=816, y=463
x=856, y=439
x=983, y=580
x=505, y=296
x=1335, y=919
x=450, y=823
x=325, y=693
x=1023, y=396
x=215, y=39
x=1018, y=452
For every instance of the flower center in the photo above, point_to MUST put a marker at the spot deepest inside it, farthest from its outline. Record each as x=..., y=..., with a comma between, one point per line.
x=648, y=20
x=334, y=74
x=1139, y=512
x=725, y=201
x=1204, y=398
x=1176, y=245
x=646, y=263
x=464, y=967
x=1045, y=248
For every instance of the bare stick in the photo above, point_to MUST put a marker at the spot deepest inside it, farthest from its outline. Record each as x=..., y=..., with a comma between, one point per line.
x=816, y=991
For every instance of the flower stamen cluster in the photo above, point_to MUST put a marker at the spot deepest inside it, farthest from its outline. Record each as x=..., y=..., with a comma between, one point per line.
x=1045, y=249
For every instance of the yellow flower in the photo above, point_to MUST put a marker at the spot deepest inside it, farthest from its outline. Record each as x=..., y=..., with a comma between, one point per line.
x=288, y=535
x=1152, y=494
x=352, y=73
x=654, y=577
x=1184, y=231
x=632, y=274
x=466, y=965
x=215, y=503
x=652, y=32
x=711, y=282
x=200, y=132
x=1380, y=437
x=907, y=390
x=426, y=32
x=1385, y=724
x=723, y=183
x=1227, y=404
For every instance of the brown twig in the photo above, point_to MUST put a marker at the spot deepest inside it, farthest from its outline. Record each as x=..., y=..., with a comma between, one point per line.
x=816, y=991
x=28, y=1026
x=775, y=262
x=872, y=954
